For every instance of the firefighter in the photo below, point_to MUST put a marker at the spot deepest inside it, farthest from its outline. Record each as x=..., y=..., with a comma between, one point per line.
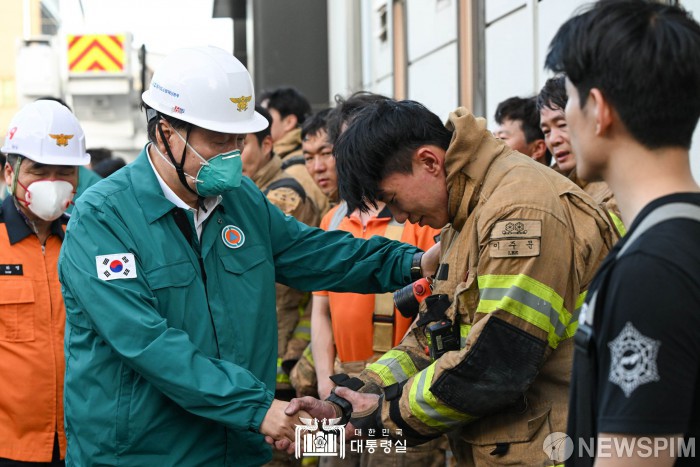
x=489, y=359
x=168, y=271
x=45, y=145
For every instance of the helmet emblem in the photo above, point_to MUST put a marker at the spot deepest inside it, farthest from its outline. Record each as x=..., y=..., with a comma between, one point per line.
x=11, y=132
x=178, y=109
x=61, y=139
x=241, y=102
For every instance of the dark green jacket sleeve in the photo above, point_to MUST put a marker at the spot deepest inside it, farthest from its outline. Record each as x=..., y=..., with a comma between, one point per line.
x=124, y=314
x=309, y=258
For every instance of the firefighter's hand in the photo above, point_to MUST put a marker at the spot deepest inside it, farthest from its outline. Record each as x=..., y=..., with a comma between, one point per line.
x=314, y=407
x=361, y=402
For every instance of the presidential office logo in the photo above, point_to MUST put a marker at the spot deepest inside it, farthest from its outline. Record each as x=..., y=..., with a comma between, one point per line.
x=328, y=441
x=633, y=359
x=232, y=236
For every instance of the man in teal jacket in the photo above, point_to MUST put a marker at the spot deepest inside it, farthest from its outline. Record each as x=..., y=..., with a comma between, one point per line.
x=168, y=273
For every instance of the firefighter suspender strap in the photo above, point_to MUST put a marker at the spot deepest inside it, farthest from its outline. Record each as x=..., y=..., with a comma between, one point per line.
x=383, y=318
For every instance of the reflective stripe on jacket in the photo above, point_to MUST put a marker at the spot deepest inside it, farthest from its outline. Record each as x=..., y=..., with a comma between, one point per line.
x=522, y=247
x=165, y=368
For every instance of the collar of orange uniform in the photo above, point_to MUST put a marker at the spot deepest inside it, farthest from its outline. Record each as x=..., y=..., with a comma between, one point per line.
x=289, y=143
x=17, y=224
x=472, y=150
x=267, y=172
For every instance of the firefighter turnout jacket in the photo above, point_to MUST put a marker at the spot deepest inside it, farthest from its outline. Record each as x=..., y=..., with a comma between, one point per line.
x=288, y=148
x=603, y=195
x=516, y=260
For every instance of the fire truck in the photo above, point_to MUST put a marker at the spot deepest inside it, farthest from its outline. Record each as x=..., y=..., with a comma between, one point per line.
x=99, y=76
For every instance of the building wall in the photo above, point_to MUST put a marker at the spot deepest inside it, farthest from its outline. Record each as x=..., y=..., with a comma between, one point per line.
x=513, y=43
x=13, y=23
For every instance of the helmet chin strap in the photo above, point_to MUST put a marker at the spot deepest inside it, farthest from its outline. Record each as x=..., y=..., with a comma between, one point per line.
x=179, y=166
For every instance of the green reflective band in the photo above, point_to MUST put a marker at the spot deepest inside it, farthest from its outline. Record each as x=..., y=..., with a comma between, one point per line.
x=573, y=325
x=619, y=226
x=425, y=406
x=527, y=299
x=463, y=333
x=394, y=366
x=303, y=330
x=282, y=377
x=308, y=355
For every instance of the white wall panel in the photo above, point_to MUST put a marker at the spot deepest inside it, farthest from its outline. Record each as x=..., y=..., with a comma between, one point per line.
x=431, y=24
x=509, y=60
x=551, y=14
x=382, y=64
x=384, y=86
x=432, y=81
x=496, y=9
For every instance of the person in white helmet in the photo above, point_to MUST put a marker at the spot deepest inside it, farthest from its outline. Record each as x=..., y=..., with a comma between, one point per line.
x=44, y=147
x=168, y=271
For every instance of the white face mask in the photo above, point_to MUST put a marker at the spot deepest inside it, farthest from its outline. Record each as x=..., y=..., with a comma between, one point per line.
x=48, y=199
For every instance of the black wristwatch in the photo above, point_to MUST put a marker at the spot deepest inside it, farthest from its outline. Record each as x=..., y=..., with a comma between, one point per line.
x=416, y=272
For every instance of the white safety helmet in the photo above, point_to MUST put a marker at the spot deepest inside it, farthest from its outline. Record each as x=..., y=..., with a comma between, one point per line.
x=207, y=87
x=48, y=133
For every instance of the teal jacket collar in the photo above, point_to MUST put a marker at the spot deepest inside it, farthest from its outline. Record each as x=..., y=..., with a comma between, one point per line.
x=149, y=195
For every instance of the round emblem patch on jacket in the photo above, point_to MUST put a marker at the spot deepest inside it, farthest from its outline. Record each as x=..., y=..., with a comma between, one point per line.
x=232, y=236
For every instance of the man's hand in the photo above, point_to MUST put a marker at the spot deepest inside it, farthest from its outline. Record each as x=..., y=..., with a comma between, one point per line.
x=315, y=408
x=430, y=261
x=278, y=425
x=361, y=402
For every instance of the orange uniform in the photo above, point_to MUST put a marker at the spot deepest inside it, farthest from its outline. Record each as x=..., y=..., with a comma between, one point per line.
x=351, y=313
x=32, y=320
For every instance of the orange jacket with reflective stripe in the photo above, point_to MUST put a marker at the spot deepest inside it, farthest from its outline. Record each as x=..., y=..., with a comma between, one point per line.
x=351, y=313
x=32, y=321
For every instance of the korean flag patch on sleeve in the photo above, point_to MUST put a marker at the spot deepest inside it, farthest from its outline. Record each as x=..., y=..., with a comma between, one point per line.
x=116, y=266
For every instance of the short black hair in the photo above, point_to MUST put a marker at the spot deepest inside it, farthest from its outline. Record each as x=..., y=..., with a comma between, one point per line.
x=523, y=110
x=346, y=109
x=107, y=167
x=380, y=141
x=553, y=94
x=315, y=124
x=262, y=134
x=644, y=57
x=98, y=155
x=153, y=117
x=287, y=101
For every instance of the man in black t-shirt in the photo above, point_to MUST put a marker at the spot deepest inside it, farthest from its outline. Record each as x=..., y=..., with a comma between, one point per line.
x=633, y=79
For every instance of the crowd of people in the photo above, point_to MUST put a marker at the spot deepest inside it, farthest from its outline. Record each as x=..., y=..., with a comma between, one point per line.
x=235, y=281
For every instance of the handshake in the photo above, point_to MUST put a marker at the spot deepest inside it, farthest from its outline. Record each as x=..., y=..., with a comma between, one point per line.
x=282, y=418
